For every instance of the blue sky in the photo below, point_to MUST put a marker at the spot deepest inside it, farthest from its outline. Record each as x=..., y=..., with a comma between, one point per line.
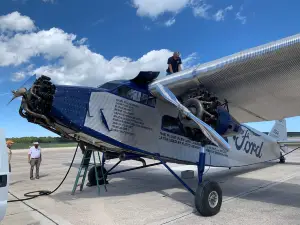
x=90, y=42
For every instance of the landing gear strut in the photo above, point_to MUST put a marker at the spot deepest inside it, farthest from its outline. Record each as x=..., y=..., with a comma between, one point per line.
x=208, y=195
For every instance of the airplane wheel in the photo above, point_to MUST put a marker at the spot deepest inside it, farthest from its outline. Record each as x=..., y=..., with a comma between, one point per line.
x=208, y=198
x=92, y=176
x=282, y=159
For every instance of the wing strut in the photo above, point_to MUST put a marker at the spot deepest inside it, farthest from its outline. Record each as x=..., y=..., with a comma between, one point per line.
x=208, y=131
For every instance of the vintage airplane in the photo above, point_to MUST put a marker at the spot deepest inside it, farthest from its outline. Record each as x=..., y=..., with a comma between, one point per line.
x=193, y=117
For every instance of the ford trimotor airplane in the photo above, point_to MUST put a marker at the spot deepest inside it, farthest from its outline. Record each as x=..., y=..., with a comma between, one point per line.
x=193, y=117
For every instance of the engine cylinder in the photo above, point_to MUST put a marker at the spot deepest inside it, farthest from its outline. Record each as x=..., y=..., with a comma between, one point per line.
x=196, y=107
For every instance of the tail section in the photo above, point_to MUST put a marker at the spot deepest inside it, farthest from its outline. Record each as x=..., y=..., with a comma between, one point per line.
x=279, y=131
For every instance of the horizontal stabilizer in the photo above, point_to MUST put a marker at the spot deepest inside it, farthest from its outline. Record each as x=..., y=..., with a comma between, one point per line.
x=290, y=142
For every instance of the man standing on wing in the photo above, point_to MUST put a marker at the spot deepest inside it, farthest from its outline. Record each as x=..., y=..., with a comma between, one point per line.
x=174, y=64
x=35, y=159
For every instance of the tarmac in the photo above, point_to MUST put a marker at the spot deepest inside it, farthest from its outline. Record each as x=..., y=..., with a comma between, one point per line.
x=262, y=194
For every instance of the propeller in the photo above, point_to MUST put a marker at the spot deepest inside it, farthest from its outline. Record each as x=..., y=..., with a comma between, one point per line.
x=17, y=93
x=207, y=130
x=24, y=88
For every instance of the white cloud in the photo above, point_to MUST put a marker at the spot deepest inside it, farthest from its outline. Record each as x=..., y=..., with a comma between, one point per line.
x=16, y=22
x=241, y=18
x=147, y=28
x=238, y=16
x=98, y=22
x=70, y=61
x=170, y=22
x=191, y=60
x=154, y=8
x=202, y=11
x=18, y=76
x=220, y=15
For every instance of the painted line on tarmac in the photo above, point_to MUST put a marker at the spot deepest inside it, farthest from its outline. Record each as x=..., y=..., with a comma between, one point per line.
x=230, y=199
x=261, y=187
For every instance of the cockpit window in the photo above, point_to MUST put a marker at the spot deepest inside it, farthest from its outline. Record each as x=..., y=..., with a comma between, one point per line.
x=127, y=92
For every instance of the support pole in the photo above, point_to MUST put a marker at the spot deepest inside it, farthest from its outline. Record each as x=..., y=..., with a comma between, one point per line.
x=103, y=175
x=201, y=164
x=175, y=175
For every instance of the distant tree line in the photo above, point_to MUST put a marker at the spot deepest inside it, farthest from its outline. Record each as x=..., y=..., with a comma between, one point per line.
x=39, y=139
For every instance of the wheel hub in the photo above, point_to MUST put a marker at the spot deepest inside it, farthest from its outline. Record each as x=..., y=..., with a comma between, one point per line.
x=213, y=199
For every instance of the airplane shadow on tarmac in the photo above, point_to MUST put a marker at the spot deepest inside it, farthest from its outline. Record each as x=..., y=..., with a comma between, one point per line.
x=161, y=181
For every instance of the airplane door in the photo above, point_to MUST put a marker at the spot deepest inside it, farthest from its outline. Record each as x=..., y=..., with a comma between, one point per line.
x=3, y=176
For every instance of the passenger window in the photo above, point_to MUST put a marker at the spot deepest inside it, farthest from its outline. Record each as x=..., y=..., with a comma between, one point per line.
x=151, y=101
x=144, y=98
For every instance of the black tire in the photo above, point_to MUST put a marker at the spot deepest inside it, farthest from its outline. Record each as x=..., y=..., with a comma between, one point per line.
x=208, y=198
x=92, y=176
x=282, y=158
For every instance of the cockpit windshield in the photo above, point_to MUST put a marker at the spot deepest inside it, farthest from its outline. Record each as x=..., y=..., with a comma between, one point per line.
x=111, y=85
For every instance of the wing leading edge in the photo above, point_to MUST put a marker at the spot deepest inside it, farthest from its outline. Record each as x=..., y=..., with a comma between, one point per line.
x=261, y=83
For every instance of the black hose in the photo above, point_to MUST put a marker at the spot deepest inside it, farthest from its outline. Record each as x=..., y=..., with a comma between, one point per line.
x=30, y=195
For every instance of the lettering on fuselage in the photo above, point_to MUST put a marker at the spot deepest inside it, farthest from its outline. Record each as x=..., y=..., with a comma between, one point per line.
x=243, y=143
x=216, y=150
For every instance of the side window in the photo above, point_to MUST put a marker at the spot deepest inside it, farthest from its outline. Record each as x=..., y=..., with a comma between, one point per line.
x=151, y=101
x=127, y=92
x=171, y=125
x=144, y=98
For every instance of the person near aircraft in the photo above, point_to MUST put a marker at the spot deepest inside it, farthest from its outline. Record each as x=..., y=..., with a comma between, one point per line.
x=34, y=159
x=9, y=144
x=174, y=64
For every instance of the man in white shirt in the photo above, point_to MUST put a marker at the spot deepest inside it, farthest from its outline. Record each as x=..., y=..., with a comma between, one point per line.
x=35, y=159
x=9, y=144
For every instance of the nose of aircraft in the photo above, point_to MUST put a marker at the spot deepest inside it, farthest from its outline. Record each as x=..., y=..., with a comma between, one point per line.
x=37, y=99
x=47, y=104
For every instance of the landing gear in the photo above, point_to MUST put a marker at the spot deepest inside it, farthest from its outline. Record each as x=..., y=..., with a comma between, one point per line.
x=282, y=158
x=208, y=198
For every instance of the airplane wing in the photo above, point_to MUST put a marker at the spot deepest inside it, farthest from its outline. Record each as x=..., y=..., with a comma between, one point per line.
x=260, y=84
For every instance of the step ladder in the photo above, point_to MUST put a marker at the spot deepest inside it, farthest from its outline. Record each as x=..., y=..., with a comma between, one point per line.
x=84, y=166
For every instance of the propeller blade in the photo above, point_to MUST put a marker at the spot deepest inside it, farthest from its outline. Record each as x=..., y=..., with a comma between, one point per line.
x=17, y=93
x=207, y=130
